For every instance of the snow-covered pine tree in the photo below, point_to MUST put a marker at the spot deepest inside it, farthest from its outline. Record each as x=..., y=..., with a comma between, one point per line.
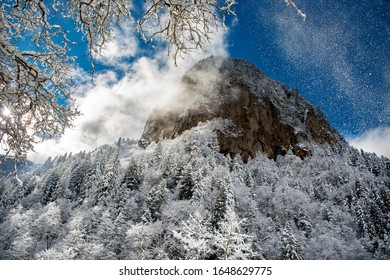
x=186, y=188
x=108, y=181
x=117, y=242
x=157, y=155
x=76, y=179
x=170, y=170
x=303, y=222
x=133, y=176
x=225, y=201
x=105, y=234
x=156, y=198
x=50, y=188
x=290, y=249
x=199, y=185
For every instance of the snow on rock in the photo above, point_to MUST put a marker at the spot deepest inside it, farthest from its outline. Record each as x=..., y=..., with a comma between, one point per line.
x=266, y=116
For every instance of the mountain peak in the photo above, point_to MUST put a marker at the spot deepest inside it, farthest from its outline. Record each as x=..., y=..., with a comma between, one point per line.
x=264, y=115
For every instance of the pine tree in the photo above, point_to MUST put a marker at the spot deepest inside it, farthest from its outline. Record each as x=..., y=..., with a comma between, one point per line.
x=133, y=176
x=224, y=203
x=118, y=197
x=50, y=189
x=156, y=198
x=108, y=181
x=327, y=215
x=76, y=179
x=186, y=183
x=105, y=234
x=360, y=190
x=303, y=222
x=170, y=171
x=198, y=189
x=248, y=179
x=360, y=212
x=117, y=243
x=90, y=182
x=290, y=249
x=237, y=167
x=157, y=155
x=220, y=207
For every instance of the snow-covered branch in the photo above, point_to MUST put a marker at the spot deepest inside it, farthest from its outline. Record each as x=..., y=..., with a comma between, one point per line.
x=185, y=24
x=299, y=11
x=35, y=79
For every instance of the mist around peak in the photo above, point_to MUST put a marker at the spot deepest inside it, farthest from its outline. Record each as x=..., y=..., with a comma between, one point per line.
x=268, y=116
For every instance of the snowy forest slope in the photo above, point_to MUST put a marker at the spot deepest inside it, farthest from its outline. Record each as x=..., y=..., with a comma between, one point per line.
x=182, y=199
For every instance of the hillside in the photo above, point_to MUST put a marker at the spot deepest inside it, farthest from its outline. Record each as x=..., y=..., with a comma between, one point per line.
x=238, y=167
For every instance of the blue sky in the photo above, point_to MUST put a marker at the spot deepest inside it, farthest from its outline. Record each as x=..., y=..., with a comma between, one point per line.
x=338, y=59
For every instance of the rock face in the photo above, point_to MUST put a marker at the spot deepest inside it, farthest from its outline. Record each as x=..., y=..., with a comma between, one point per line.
x=265, y=115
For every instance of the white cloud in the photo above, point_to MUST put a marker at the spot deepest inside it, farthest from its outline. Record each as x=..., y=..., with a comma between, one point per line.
x=116, y=106
x=375, y=141
x=124, y=45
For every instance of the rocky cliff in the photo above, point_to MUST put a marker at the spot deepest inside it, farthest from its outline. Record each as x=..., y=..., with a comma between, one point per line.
x=265, y=115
